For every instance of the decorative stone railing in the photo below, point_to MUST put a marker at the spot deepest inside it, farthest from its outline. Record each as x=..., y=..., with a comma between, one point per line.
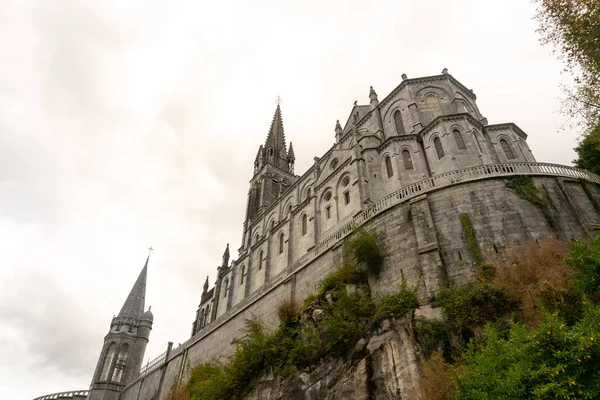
x=400, y=196
x=64, y=395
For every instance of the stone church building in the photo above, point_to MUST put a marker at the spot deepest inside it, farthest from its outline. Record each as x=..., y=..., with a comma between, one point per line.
x=405, y=166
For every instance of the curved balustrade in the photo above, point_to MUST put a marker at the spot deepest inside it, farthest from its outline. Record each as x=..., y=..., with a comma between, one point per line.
x=400, y=196
x=64, y=395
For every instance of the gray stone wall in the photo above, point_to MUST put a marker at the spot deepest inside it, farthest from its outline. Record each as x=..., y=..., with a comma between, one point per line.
x=425, y=243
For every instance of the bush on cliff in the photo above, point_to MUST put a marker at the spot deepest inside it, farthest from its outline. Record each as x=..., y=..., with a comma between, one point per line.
x=548, y=348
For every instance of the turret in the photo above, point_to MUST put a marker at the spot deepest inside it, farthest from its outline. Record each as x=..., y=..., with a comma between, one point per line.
x=225, y=261
x=291, y=159
x=373, y=98
x=338, y=131
x=124, y=345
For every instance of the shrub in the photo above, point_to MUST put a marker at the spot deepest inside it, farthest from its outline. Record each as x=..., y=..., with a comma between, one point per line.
x=585, y=258
x=437, y=379
x=537, y=276
x=551, y=361
x=363, y=247
x=401, y=302
x=474, y=304
x=287, y=310
x=344, y=273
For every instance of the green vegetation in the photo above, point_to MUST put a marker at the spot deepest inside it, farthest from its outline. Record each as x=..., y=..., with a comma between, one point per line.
x=525, y=188
x=328, y=324
x=532, y=328
x=573, y=27
x=470, y=235
x=363, y=248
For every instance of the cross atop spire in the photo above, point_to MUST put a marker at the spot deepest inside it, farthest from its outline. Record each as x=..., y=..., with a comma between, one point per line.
x=134, y=305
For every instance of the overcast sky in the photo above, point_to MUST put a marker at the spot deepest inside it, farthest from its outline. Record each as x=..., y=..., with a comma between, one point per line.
x=126, y=124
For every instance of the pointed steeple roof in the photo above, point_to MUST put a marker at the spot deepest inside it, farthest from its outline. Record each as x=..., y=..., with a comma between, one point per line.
x=290, y=153
x=276, y=136
x=134, y=305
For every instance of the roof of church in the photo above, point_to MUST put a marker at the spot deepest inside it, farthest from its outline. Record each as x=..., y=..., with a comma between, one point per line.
x=276, y=136
x=134, y=305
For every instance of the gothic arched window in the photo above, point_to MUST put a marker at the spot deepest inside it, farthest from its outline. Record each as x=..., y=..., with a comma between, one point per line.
x=388, y=167
x=398, y=122
x=108, y=361
x=304, y=224
x=308, y=193
x=438, y=147
x=260, y=259
x=407, y=160
x=507, y=150
x=226, y=286
x=460, y=142
x=281, y=243
x=121, y=363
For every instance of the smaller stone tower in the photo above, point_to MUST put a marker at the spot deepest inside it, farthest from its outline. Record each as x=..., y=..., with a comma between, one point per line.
x=124, y=345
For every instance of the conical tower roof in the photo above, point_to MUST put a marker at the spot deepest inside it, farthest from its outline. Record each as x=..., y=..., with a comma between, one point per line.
x=276, y=136
x=134, y=305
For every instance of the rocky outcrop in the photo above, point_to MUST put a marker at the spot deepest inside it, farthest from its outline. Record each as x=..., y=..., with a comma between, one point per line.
x=384, y=365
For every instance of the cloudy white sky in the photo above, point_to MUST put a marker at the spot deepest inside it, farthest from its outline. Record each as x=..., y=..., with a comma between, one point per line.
x=125, y=124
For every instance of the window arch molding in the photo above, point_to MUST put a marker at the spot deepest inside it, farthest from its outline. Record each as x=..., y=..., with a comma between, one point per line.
x=508, y=149
x=459, y=137
x=305, y=189
x=398, y=119
x=407, y=161
x=388, y=165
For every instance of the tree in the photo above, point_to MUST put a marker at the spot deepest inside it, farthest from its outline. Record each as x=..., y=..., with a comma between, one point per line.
x=573, y=27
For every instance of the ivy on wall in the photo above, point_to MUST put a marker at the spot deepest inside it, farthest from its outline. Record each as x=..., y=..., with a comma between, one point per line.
x=525, y=188
x=470, y=235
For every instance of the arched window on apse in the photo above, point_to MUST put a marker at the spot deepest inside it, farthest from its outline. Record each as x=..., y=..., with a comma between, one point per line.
x=433, y=103
x=388, y=167
x=507, y=150
x=260, y=260
x=460, y=142
x=398, y=122
x=304, y=224
x=281, y=243
x=438, y=147
x=108, y=361
x=407, y=160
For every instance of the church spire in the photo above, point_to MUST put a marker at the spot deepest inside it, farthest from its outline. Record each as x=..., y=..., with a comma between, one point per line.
x=275, y=148
x=134, y=305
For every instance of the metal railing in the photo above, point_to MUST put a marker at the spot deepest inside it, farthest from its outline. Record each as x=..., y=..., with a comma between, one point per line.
x=400, y=196
x=153, y=365
x=64, y=395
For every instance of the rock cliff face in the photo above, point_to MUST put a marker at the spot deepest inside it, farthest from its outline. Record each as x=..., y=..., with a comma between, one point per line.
x=383, y=366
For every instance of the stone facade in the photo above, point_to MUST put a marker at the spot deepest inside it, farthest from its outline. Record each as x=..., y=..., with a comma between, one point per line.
x=405, y=167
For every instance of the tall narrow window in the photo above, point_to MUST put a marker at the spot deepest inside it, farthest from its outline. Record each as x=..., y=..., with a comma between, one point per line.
x=347, y=197
x=328, y=212
x=398, y=122
x=108, y=360
x=121, y=363
x=281, y=243
x=507, y=150
x=243, y=274
x=407, y=160
x=438, y=147
x=388, y=167
x=260, y=259
x=272, y=224
x=226, y=287
x=304, y=224
x=308, y=193
x=460, y=143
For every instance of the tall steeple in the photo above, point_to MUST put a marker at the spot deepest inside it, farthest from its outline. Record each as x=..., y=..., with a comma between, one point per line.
x=275, y=148
x=134, y=305
x=124, y=345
